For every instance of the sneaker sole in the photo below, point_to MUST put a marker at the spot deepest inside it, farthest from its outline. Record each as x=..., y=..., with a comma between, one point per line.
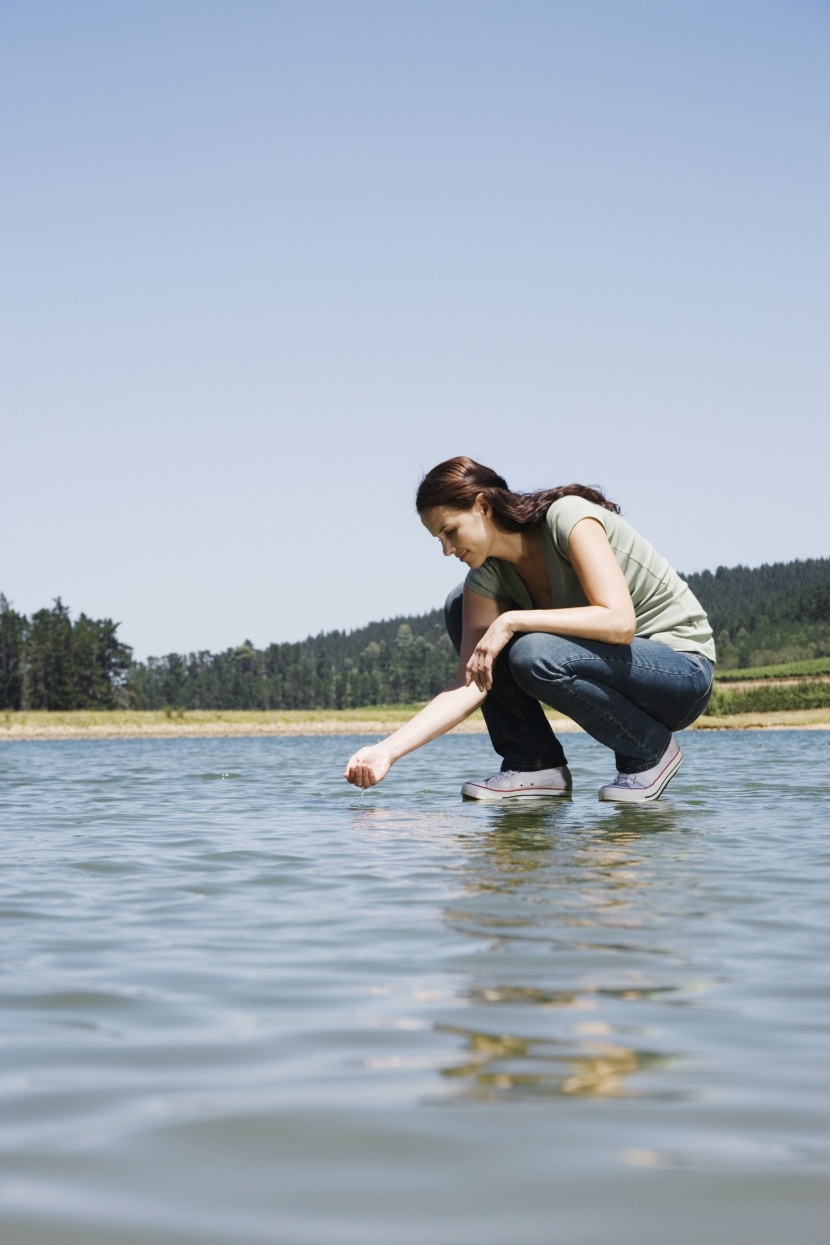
x=472, y=791
x=626, y=795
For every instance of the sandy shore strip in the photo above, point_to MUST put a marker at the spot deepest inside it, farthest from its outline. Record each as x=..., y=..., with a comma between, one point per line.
x=744, y=685
x=374, y=721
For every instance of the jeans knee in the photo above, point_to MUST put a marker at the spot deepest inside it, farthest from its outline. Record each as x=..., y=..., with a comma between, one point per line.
x=538, y=664
x=453, y=616
x=525, y=659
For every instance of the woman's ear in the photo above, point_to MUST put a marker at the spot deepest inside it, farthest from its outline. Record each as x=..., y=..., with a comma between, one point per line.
x=484, y=506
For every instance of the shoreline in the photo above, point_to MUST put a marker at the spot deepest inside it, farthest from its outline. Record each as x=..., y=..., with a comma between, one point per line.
x=370, y=721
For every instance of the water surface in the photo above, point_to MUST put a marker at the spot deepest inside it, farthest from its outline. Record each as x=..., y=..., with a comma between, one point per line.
x=243, y=1003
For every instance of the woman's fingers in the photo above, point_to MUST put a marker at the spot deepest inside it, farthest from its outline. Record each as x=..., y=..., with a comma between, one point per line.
x=479, y=671
x=482, y=668
x=356, y=771
x=367, y=775
x=366, y=769
x=480, y=665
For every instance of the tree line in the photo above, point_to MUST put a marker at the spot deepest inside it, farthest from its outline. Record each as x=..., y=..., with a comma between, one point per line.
x=50, y=662
x=327, y=672
x=760, y=616
x=767, y=614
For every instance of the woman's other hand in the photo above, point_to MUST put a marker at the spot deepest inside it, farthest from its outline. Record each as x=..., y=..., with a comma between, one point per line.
x=480, y=666
x=368, y=766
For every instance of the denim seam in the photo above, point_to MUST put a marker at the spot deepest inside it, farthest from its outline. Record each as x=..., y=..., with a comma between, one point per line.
x=566, y=666
x=681, y=681
x=702, y=700
x=568, y=686
x=624, y=731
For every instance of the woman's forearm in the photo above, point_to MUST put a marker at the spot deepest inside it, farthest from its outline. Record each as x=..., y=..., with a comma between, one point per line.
x=370, y=765
x=442, y=713
x=587, y=622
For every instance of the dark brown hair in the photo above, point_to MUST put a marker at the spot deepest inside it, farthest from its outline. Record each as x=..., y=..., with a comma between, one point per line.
x=459, y=481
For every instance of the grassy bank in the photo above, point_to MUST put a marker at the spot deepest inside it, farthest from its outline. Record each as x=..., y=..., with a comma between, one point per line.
x=177, y=723
x=373, y=721
x=775, y=697
x=791, y=687
x=786, y=670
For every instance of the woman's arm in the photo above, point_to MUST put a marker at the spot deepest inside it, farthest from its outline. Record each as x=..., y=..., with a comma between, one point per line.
x=370, y=765
x=608, y=617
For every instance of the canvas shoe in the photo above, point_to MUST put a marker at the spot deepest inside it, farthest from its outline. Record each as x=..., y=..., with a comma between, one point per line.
x=511, y=784
x=648, y=785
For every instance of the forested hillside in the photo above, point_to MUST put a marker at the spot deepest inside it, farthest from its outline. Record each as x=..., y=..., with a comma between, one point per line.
x=767, y=614
x=732, y=595
x=49, y=662
x=393, y=662
x=760, y=616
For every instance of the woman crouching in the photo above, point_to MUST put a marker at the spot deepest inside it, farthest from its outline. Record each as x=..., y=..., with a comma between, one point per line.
x=565, y=605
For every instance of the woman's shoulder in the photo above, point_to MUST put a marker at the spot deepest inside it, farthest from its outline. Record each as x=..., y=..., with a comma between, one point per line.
x=564, y=514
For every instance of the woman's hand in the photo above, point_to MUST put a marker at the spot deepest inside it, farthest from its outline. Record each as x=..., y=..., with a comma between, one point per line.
x=368, y=766
x=480, y=666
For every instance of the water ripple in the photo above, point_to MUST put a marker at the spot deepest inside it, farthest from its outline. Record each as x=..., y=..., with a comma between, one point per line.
x=234, y=995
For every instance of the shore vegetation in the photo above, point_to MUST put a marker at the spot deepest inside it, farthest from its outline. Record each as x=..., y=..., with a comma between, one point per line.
x=374, y=720
x=771, y=623
x=784, y=670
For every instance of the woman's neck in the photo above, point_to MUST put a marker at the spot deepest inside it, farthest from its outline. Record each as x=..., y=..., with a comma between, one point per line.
x=520, y=549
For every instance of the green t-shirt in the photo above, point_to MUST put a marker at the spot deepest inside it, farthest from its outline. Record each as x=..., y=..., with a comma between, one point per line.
x=665, y=607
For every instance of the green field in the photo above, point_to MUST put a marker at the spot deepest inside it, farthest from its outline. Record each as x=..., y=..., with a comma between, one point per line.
x=775, y=698
x=786, y=670
x=169, y=723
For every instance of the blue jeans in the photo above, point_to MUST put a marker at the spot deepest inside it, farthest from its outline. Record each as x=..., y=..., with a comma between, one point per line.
x=630, y=697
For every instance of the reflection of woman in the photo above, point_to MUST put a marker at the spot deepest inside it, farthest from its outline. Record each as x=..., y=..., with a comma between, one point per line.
x=564, y=604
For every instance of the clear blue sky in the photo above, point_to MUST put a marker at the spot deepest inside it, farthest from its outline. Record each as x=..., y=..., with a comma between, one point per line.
x=264, y=263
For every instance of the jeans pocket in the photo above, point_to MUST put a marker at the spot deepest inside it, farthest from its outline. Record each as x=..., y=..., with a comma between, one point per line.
x=706, y=683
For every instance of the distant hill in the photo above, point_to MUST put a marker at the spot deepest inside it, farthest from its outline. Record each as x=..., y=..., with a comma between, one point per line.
x=767, y=614
x=396, y=661
x=731, y=595
x=761, y=616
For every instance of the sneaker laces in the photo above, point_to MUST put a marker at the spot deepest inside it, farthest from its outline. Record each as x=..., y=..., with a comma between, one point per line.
x=626, y=780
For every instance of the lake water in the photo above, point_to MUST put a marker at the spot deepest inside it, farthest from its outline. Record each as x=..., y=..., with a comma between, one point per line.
x=242, y=1003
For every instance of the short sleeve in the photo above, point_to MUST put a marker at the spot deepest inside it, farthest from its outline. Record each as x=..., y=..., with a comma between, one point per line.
x=564, y=515
x=486, y=581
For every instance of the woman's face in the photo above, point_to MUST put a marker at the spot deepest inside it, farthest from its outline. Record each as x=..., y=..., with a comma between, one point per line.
x=464, y=534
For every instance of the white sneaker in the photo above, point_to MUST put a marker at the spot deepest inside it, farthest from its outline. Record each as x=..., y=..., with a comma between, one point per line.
x=512, y=784
x=648, y=785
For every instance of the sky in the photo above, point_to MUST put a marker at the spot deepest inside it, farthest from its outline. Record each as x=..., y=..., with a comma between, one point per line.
x=265, y=263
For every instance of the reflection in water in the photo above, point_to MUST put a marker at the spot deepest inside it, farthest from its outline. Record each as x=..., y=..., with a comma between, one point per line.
x=499, y=1066
x=562, y=912
x=533, y=883
x=627, y=822
x=226, y=1002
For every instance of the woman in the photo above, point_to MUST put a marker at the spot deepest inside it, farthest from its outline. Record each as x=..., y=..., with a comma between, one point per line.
x=565, y=605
